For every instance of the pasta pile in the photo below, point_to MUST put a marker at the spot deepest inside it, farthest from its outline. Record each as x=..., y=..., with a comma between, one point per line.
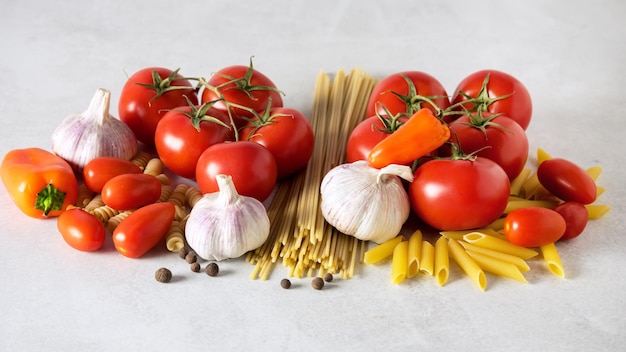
x=482, y=250
x=299, y=235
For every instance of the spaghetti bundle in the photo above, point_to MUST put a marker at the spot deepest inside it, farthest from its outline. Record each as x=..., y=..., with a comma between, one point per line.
x=299, y=235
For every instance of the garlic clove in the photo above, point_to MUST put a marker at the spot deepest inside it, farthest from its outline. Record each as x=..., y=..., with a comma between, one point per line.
x=82, y=137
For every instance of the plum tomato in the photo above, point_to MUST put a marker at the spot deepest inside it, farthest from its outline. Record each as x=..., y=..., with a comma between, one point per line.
x=576, y=217
x=131, y=191
x=567, y=181
x=252, y=167
x=287, y=134
x=185, y=132
x=81, y=230
x=100, y=170
x=147, y=95
x=143, y=229
x=459, y=194
x=368, y=133
x=533, y=226
x=403, y=92
x=497, y=92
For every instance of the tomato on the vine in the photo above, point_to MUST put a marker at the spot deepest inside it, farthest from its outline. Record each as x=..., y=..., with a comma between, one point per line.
x=496, y=92
x=143, y=229
x=404, y=92
x=81, y=230
x=567, y=181
x=252, y=168
x=100, y=170
x=286, y=133
x=491, y=136
x=131, y=191
x=533, y=226
x=185, y=132
x=242, y=86
x=370, y=132
x=148, y=94
x=459, y=194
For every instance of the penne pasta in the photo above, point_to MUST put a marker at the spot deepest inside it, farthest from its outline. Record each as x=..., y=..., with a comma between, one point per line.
x=427, y=262
x=508, y=258
x=469, y=265
x=552, y=259
x=381, y=251
x=516, y=184
x=594, y=172
x=497, y=224
x=597, y=211
x=497, y=267
x=518, y=204
x=399, y=262
x=442, y=261
x=542, y=156
x=415, y=253
x=497, y=244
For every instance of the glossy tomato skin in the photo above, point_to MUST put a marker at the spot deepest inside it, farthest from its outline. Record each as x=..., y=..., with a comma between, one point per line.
x=567, y=181
x=533, y=226
x=81, y=230
x=100, y=170
x=517, y=107
x=289, y=137
x=179, y=144
x=257, y=100
x=131, y=191
x=143, y=229
x=425, y=85
x=252, y=167
x=459, y=194
x=365, y=136
x=504, y=142
x=139, y=108
x=576, y=217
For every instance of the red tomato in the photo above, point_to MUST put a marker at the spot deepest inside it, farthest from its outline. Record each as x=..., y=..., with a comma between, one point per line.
x=401, y=92
x=131, y=191
x=567, y=181
x=100, y=170
x=287, y=134
x=368, y=133
x=147, y=95
x=143, y=229
x=492, y=95
x=576, y=217
x=459, y=194
x=185, y=132
x=251, y=166
x=81, y=230
x=245, y=86
x=533, y=226
x=498, y=138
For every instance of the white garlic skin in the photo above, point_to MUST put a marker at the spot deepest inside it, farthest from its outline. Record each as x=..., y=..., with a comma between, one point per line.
x=364, y=202
x=93, y=133
x=225, y=225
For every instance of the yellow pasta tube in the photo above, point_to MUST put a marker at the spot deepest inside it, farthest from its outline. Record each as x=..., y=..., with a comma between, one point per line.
x=552, y=259
x=442, y=261
x=599, y=191
x=427, y=261
x=497, y=267
x=497, y=224
x=508, y=258
x=518, y=204
x=500, y=245
x=415, y=252
x=542, y=156
x=399, y=262
x=516, y=184
x=594, y=172
x=381, y=251
x=597, y=211
x=469, y=265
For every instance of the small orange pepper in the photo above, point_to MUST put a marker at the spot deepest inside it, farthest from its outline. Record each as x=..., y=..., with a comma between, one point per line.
x=41, y=183
x=418, y=136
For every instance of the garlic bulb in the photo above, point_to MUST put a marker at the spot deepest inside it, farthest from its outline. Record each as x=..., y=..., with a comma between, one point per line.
x=93, y=133
x=225, y=225
x=367, y=203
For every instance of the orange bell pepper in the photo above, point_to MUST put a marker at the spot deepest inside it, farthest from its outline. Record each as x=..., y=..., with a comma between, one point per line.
x=40, y=183
x=419, y=135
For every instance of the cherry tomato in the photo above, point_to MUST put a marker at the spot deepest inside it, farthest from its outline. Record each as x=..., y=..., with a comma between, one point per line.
x=147, y=95
x=143, y=229
x=459, y=194
x=245, y=86
x=185, y=132
x=252, y=168
x=567, y=181
x=498, y=138
x=401, y=92
x=81, y=230
x=287, y=134
x=493, y=88
x=576, y=217
x=368, y=133
x=100, y=170
x=533, y=226
x=131, y=191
